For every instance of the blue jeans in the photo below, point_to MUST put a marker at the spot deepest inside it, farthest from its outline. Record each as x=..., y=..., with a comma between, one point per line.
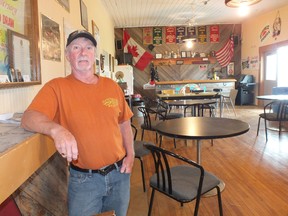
x=92, y=193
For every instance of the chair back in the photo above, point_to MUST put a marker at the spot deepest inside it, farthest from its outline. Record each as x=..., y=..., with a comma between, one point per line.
x=279, y=109
x=147, y=114
x=163, y=168
x=135, y=131
x=233, y=94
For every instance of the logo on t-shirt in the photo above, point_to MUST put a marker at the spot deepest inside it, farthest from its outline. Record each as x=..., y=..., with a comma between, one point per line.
x=110, y=102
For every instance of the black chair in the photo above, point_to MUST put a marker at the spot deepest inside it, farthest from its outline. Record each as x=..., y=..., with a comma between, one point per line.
x=140, y=152
x=148, y=123
x=164, y=108
x=183, y=183
x=275, y=111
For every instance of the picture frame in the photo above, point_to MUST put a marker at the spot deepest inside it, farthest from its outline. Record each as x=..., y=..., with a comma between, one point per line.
x=158, y=55
x=65, y=4
x=188, y=54
x=84, y=15
x=51, y=48
x=183, y=54
x=19, y=46
x=179, y=62
x=230, y=69
x=96, y=34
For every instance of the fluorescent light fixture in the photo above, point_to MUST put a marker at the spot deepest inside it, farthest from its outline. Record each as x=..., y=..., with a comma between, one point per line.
x=239, y=3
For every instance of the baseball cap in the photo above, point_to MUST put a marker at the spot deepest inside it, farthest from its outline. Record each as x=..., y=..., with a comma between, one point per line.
x=80, y=33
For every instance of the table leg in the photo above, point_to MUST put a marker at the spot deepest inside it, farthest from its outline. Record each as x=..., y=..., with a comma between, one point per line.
x=199, y=151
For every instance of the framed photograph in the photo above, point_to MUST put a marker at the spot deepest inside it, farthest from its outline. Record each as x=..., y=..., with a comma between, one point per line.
x=84, y=15
x=158, y=56
x=65, y=4
x=179, y=62
x=113, y=62
x=188, y=54
x=230, y=69
x=110, y=62
x=183, y=54
x=96, y=34
x=50, y=39
x=18, y=46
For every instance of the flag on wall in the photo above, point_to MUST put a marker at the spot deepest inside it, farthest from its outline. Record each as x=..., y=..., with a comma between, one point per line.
x=225, y=54
x=140, y=57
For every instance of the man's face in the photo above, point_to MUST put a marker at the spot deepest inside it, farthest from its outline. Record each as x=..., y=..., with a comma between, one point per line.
x=81, y=55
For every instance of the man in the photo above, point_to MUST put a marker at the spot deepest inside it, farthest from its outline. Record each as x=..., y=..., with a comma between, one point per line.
x=89, y=120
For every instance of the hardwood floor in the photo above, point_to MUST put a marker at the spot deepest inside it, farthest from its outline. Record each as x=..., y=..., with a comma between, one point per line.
x=255, y=173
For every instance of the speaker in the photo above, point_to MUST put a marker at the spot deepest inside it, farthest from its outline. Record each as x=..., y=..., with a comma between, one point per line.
x=125, y=58
x=118, y=44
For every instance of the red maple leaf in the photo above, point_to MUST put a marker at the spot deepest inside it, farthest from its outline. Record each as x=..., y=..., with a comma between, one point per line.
x=133, y=50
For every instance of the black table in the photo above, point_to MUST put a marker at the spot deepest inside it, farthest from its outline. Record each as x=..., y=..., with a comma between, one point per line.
x=199, y=128
x=191, y=103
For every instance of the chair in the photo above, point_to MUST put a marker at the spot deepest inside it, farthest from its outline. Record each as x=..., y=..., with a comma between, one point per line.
x=148, y=123
x=230, y=100
x=276, y=111
x=183, y=183
x=164, y=108
x=140, y=152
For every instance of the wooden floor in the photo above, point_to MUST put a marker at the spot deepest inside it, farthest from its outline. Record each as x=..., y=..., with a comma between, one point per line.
x=255, y=173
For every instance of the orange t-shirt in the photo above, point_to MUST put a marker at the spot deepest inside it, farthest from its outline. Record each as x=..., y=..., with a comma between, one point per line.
x=91, y=112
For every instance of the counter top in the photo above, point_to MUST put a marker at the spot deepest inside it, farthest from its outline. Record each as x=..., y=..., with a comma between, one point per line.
x=194, y=81
x=21, y=154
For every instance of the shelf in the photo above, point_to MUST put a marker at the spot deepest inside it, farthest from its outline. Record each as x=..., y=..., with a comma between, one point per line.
x=184, y=61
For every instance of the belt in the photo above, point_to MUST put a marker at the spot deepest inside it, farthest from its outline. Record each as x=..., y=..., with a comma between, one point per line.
x=104, y=171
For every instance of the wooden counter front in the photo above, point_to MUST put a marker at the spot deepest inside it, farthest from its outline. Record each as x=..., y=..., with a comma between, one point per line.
x=19, y=162
x=194, y=81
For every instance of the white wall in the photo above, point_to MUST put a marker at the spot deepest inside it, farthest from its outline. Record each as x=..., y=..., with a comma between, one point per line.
x=17, y=99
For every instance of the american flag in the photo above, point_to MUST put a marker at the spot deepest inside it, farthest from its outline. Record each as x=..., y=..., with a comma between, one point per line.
x=225, y=54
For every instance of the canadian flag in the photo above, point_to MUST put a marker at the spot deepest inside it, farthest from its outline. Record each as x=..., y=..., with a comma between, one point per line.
x=141, y=58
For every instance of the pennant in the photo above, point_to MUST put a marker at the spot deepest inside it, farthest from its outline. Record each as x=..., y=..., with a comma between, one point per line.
x=225, y=54
x=140, y=57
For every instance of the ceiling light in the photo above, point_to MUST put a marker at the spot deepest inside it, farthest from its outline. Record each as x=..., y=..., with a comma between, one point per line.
x=239, y=3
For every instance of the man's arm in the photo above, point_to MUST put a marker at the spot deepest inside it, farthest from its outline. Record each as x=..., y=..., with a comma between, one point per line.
x=128, y=143
x=65, y=142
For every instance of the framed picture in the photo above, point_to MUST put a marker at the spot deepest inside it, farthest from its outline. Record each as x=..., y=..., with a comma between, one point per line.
x=19, y=46
x=50, y=39
x=158, y=56
x=188, y=54
x=96, y=34
x=84, y=15
x=183, y=54
x=230, y=69
x=113, y=62
x=65, y=4
x=179, y=62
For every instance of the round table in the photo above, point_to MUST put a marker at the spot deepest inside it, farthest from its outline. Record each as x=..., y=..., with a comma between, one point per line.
x=198, y=128
x=272, y=97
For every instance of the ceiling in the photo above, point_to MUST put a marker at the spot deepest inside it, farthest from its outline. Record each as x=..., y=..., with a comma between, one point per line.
x=141, y=13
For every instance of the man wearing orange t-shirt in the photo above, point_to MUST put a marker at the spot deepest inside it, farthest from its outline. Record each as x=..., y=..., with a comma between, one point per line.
x=89, y=120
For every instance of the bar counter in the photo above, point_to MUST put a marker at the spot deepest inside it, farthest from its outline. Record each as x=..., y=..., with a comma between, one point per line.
x=31, y=172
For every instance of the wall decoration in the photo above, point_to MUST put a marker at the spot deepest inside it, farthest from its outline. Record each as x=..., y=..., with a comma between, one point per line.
x=230, y=69
x=84, y=15
x=18, y=46
x=264, y=33
x=147, y=35
x=180, y=32
x=170, y=35
x=277, y=26
x=50, y=39
x=157, y=35
x=65, y=4
x=96, y=34
x=202, y=34
x=214, y=34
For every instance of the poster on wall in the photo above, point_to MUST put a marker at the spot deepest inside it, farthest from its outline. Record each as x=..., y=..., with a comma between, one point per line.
x=277, y=26
x=264, y=33
x=180, y=32
x=157, y=35
x=202, y=34
x=214, y=34
x=147, y=35
x=50, y=39
x=250, y=63
x=170, y=35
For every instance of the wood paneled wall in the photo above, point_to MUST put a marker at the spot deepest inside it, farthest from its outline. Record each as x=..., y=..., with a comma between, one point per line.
x=182, y=72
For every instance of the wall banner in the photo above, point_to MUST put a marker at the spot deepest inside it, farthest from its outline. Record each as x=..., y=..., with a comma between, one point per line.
x=157, y=35
x=214, y=34
x=202, y=34
x=147, y=35
x=170, y=35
